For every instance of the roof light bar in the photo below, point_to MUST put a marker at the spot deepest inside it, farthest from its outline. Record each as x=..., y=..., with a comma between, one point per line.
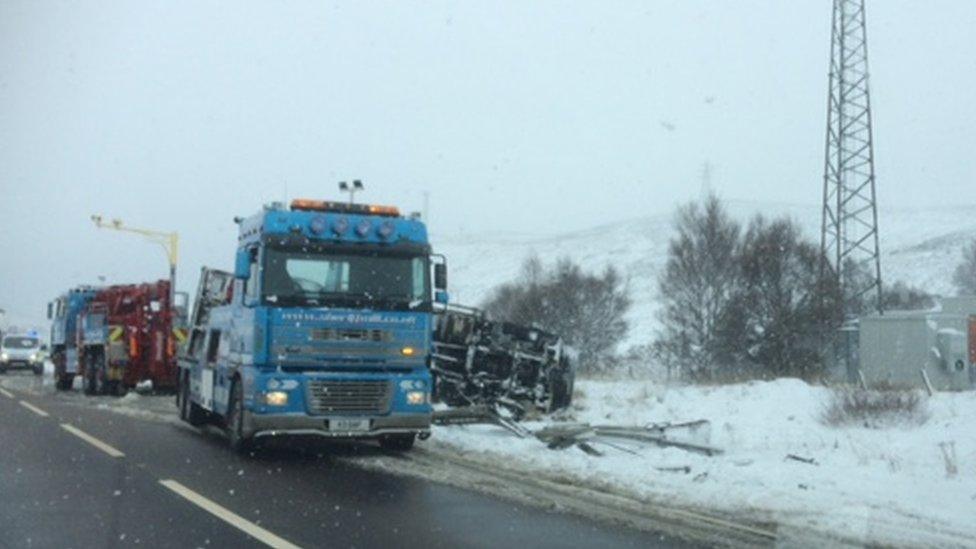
x=307, y=204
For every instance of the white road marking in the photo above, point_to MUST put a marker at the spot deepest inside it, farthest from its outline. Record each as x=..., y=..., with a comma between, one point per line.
x=33, y=408
x=6, y=393
x=92, y=440
x=229, y=517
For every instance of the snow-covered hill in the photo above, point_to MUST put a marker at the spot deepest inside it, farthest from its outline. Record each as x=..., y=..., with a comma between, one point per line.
x=920, y=247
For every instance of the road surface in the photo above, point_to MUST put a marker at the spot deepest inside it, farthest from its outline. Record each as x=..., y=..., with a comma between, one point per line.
x=77, y=476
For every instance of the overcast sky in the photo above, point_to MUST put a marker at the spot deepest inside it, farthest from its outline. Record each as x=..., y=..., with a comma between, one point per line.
x=517, y=116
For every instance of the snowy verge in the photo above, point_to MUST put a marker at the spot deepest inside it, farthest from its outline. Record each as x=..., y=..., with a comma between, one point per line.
x=887, y=486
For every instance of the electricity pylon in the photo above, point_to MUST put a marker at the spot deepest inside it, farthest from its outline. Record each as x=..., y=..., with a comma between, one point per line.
x=849, y=231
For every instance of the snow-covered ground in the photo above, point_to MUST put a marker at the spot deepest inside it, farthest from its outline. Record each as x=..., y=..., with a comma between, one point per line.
x=887, y=486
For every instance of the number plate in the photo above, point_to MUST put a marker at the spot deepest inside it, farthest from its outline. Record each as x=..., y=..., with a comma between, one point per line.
x=349, y=425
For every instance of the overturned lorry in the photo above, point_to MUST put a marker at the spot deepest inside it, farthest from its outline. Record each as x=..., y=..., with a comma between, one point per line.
x=479, y=361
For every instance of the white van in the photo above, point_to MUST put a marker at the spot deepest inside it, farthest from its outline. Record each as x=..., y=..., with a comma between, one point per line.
x=21, y=351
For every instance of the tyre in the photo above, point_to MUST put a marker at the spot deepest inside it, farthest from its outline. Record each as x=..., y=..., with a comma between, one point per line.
x=447, y=392
x=561, y=388
x=88, y=383
x=240, y=441
x=115, y=388
x=64, y=382
x=3, y=368
x=38, y=370
x=397, y=443
x=190, y=411
x=102, y=384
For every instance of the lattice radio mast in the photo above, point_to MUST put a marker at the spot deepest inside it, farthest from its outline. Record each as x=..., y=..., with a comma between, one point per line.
x=849, y=233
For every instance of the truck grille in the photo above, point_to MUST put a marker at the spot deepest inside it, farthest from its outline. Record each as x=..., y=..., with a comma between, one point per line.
x=348, y=396
x=330, y=334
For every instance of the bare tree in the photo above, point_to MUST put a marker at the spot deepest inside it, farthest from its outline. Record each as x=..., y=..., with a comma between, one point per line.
x=586, y=310
x=773, y=323
x=965, y=275
x=695, y=288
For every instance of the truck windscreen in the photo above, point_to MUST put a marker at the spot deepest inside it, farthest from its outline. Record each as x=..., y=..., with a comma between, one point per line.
x=20, y=342
x=376, y=279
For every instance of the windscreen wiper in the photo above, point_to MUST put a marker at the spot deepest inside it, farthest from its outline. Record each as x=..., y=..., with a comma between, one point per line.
x=399, y=299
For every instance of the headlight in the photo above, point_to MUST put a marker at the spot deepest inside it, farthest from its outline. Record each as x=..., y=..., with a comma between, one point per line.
x=33, y=357
x=417, y=397
x=276, y=398
x=408, y=351
x=4, y=356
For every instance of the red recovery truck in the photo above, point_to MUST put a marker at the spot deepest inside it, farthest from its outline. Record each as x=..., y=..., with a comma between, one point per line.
x=127, y=336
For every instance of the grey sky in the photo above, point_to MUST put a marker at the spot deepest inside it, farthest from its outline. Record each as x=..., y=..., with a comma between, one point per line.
x=534, y=117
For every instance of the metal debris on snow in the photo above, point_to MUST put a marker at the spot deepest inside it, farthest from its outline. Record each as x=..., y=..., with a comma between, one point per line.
x=558, y=436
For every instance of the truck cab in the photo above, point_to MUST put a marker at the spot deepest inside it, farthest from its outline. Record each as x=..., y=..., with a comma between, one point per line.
x=127, y=336
x=324, y=328
x=63, y=313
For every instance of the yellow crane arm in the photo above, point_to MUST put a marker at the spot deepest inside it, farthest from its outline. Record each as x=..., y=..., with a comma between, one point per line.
x=168, y=240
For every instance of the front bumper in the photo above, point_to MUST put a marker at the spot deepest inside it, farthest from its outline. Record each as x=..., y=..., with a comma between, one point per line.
x=20, y=364
x=272, y=425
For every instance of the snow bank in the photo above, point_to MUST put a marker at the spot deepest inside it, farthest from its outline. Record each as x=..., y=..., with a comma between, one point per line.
x=885, y=486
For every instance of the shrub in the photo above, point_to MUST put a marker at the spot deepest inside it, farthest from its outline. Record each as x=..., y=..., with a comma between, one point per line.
x=875, y=408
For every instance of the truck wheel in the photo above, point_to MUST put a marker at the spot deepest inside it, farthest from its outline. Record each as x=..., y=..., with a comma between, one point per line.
x=397, y=443
x=65, y=382
x=240, y=442
x=88, y=382
x=118, y=388
x=190, y=412
x=561, y=389
x=102, y=385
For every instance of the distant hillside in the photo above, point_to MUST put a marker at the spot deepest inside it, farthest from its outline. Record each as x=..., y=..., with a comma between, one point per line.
x=919, y=247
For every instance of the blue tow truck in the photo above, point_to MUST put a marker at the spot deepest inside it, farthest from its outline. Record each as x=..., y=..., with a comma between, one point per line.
x=63, y=313
x=324, y=328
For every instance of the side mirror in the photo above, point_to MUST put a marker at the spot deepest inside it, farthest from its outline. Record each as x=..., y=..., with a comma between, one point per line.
x=242, y=266
x=440, y=276
x=50, y=311
x=440, y=296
